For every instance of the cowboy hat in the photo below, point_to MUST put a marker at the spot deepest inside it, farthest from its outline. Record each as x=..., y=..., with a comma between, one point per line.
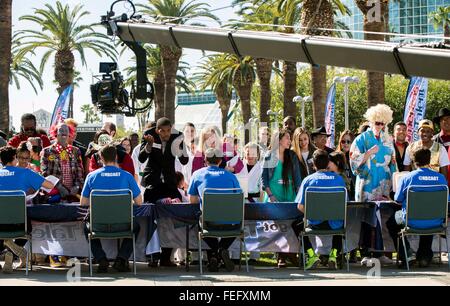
x=443, y=112
x=320, y=131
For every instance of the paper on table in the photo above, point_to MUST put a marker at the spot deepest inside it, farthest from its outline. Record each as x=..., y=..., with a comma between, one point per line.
x=53, y=179
x=29, y=197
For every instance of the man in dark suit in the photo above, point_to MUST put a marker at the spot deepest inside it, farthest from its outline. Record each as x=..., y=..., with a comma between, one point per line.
x=162, y=144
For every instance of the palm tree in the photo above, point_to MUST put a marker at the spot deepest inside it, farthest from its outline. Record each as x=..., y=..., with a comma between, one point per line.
x=179, y=12
x=90, y=114
x=213, y=73
x=243, y=72
x=441, y=18
x=263, y=14
x=62, y=33
x=375, y=80
x=319, y=14
x=235, y=71
x=155, y=72
x=314, y=14
x=290, y=16
x=5, y=61
x=23, y=68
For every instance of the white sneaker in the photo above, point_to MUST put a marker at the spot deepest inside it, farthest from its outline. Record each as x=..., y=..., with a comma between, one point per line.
x=8, y=266
x=384, y=260
x=365, y=260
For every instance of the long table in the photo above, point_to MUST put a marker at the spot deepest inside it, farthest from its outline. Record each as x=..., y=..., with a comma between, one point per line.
x=152, y=217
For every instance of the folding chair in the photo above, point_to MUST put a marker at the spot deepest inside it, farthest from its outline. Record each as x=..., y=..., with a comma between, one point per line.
x=13, y=212
x=325, y=203
x=111, y=217
x=222, y=217
x=425, y=203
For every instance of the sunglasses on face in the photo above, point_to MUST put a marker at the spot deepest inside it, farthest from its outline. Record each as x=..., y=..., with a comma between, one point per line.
x=346, y=142
x=379, y=123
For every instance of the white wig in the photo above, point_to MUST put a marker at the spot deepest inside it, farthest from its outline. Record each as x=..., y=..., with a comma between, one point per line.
x=379, y=113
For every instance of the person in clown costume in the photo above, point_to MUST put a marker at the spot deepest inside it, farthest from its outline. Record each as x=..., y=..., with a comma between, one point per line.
x=63, y=161
x=372, y=160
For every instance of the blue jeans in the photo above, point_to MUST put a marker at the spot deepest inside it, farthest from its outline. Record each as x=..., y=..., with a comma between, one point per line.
x=125, y=250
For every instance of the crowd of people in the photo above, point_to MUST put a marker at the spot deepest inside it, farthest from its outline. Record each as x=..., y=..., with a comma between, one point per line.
x=169, y=166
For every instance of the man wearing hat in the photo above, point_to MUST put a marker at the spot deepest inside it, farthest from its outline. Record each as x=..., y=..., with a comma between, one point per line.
x=443, y=120
x=319, y=138
x=439, y=156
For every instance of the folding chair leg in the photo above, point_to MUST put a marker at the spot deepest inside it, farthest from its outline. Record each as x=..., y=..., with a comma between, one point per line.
x=31, y=253
x=200, y=253
x=246, y=255
x=398, y=251
x=406, y=253
x=448, y=251
x=240, y=253
x=28, y=258
x=134, y=255
x=440, y=251
x=304, y=255
x=347, y=253
x=90, y=257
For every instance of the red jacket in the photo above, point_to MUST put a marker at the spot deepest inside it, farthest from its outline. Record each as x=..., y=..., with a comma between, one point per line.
x=16, y=140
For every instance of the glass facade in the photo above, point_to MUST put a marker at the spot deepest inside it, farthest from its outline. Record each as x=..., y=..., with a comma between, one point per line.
x=405, y=17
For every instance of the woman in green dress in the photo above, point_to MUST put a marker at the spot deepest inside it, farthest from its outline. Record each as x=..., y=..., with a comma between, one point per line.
x=281, y=176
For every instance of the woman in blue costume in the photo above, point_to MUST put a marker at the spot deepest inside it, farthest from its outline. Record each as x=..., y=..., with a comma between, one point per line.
x=372, y=159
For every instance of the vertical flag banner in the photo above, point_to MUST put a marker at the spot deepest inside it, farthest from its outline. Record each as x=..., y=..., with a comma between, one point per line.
x=329, y=115
x=61, y=110
x=415, y=106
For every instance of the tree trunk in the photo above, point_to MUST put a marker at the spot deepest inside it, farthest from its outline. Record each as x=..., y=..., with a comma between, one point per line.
x=290, y=89
x=318, y=14
x=375, y=80
x=319, y=79
x=5, y=61
x=447, y=33
x=159, y=83
x=244, y=91
x=170, y=60
x=64, y=71
x=224, y=98
x=264, y=72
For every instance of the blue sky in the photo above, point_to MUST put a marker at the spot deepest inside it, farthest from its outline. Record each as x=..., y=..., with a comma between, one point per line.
x=25, y=100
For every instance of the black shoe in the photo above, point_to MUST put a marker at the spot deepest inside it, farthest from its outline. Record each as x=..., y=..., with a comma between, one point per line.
x=213, y=265
x=228, y=263
x=292, y=257
x=353, y=258
x=153, y=263
x=324, y=260
x=424, y=263
x=103, y=265
x=121, y=265
x=167, y=264
x=252, y=261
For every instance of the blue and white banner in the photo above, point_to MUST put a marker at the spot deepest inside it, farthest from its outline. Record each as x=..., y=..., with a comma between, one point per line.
x=61, y=110
x=330, y=108
x=415, y=106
